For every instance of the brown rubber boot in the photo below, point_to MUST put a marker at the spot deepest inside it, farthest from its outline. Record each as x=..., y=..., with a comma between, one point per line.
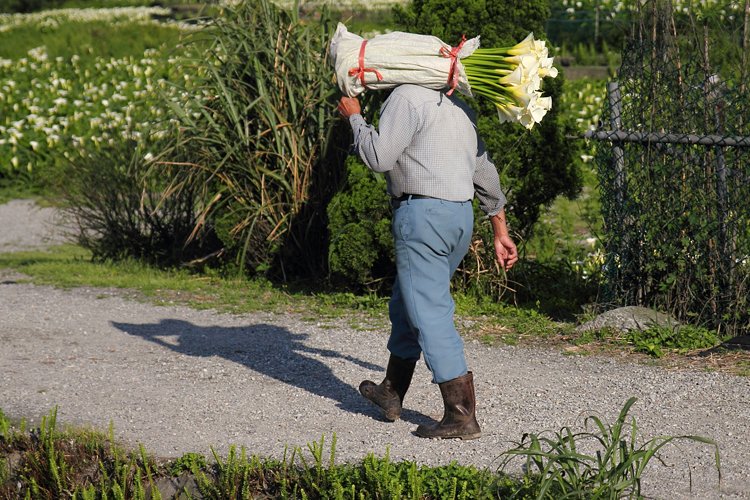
x=389, y=394
x=459, y=419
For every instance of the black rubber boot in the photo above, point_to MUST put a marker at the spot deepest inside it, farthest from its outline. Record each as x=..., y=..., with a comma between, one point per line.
x=389, y=394
x=459, y=419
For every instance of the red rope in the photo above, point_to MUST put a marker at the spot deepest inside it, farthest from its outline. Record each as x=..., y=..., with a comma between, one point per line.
x=361, y=70
x=453, y=54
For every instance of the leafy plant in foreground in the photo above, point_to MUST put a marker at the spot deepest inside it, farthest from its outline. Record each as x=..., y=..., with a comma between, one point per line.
x=613, y=470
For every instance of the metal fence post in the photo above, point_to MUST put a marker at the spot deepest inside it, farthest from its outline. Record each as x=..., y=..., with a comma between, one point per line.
x=618, y=156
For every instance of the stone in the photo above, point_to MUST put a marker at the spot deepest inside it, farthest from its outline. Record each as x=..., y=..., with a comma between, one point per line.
x=625, y=319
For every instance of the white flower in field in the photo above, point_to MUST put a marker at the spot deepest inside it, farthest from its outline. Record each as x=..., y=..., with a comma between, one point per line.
x=586, y=158
x=38, y=53
x=14, y=162
x=15, y=135
x=60, y=101
x=148, y=157
x=34, y=145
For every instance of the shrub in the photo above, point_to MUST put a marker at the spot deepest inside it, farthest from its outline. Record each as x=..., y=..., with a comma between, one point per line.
x=613, y=468
x=361, y=245
x=119, y=210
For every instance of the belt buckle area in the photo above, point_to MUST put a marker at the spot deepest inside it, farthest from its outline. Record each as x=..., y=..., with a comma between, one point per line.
x=396, y=201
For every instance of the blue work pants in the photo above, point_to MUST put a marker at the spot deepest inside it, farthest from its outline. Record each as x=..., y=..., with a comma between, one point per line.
x=431, y=238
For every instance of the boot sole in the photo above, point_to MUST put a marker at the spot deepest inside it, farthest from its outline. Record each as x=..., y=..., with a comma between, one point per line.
x=463, y=437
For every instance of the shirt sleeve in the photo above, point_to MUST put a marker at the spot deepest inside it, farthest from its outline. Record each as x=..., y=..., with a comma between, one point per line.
x=487, y=183
x=380, y=149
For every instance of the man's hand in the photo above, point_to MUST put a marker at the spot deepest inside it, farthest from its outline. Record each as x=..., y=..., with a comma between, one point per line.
x=349, y=106
x=505, y=249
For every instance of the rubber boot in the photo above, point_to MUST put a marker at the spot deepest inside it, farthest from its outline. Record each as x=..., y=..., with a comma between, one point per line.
x=459, y=419
x=389, y=394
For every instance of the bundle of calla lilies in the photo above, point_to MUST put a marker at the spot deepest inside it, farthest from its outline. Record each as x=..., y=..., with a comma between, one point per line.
x=510, y=77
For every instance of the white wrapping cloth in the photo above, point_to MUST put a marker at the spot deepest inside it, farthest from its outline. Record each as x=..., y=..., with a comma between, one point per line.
x=397, y=58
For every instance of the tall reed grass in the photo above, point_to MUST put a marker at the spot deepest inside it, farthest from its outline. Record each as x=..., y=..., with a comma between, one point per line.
x=260, y=136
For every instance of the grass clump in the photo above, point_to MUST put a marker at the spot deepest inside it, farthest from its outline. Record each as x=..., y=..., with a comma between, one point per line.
x=614, y=469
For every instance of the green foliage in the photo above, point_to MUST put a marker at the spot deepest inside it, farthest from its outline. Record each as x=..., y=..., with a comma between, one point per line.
x=62, y=464
x=361, y=244
x=262, y=138
x=188, y=462
x=568, y=466
x=499, y=23
x=681, y=338
x=87, y=39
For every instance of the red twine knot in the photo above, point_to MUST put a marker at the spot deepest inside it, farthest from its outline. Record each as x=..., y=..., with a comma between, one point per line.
x=453, y=54
x=361, y=70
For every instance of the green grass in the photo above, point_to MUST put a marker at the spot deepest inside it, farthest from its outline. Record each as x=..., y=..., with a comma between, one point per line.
x=88, y=39
x=71, y=266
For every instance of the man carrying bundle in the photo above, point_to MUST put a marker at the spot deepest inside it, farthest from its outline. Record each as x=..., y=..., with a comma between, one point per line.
x=434, y=163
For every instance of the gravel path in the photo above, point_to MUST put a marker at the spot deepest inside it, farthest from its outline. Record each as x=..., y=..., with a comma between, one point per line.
x=179, y=380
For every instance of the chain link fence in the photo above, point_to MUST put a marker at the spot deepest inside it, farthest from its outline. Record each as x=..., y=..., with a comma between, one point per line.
x=673, y=155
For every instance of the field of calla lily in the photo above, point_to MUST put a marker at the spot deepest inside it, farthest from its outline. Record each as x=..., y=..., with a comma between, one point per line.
x=53, y=104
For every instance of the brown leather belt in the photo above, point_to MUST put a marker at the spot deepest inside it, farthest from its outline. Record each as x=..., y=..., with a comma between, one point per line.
x=396, y=202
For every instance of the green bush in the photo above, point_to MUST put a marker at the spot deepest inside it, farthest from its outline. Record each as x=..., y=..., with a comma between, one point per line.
x=361, y=244
x=681, y=338
x=604, y=462
x=117, y=205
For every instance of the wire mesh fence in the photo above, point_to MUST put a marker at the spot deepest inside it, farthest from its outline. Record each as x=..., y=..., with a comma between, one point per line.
x=674, y=168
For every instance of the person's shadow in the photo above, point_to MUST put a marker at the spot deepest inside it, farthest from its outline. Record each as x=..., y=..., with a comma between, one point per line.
x=270, y=350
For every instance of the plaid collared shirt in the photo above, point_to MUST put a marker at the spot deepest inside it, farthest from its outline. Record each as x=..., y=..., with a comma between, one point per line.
x=427, y=143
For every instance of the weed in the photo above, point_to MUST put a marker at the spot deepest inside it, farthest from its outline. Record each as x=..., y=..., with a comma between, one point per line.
x=681, y=338
x=189, y=462
x=615, y=468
